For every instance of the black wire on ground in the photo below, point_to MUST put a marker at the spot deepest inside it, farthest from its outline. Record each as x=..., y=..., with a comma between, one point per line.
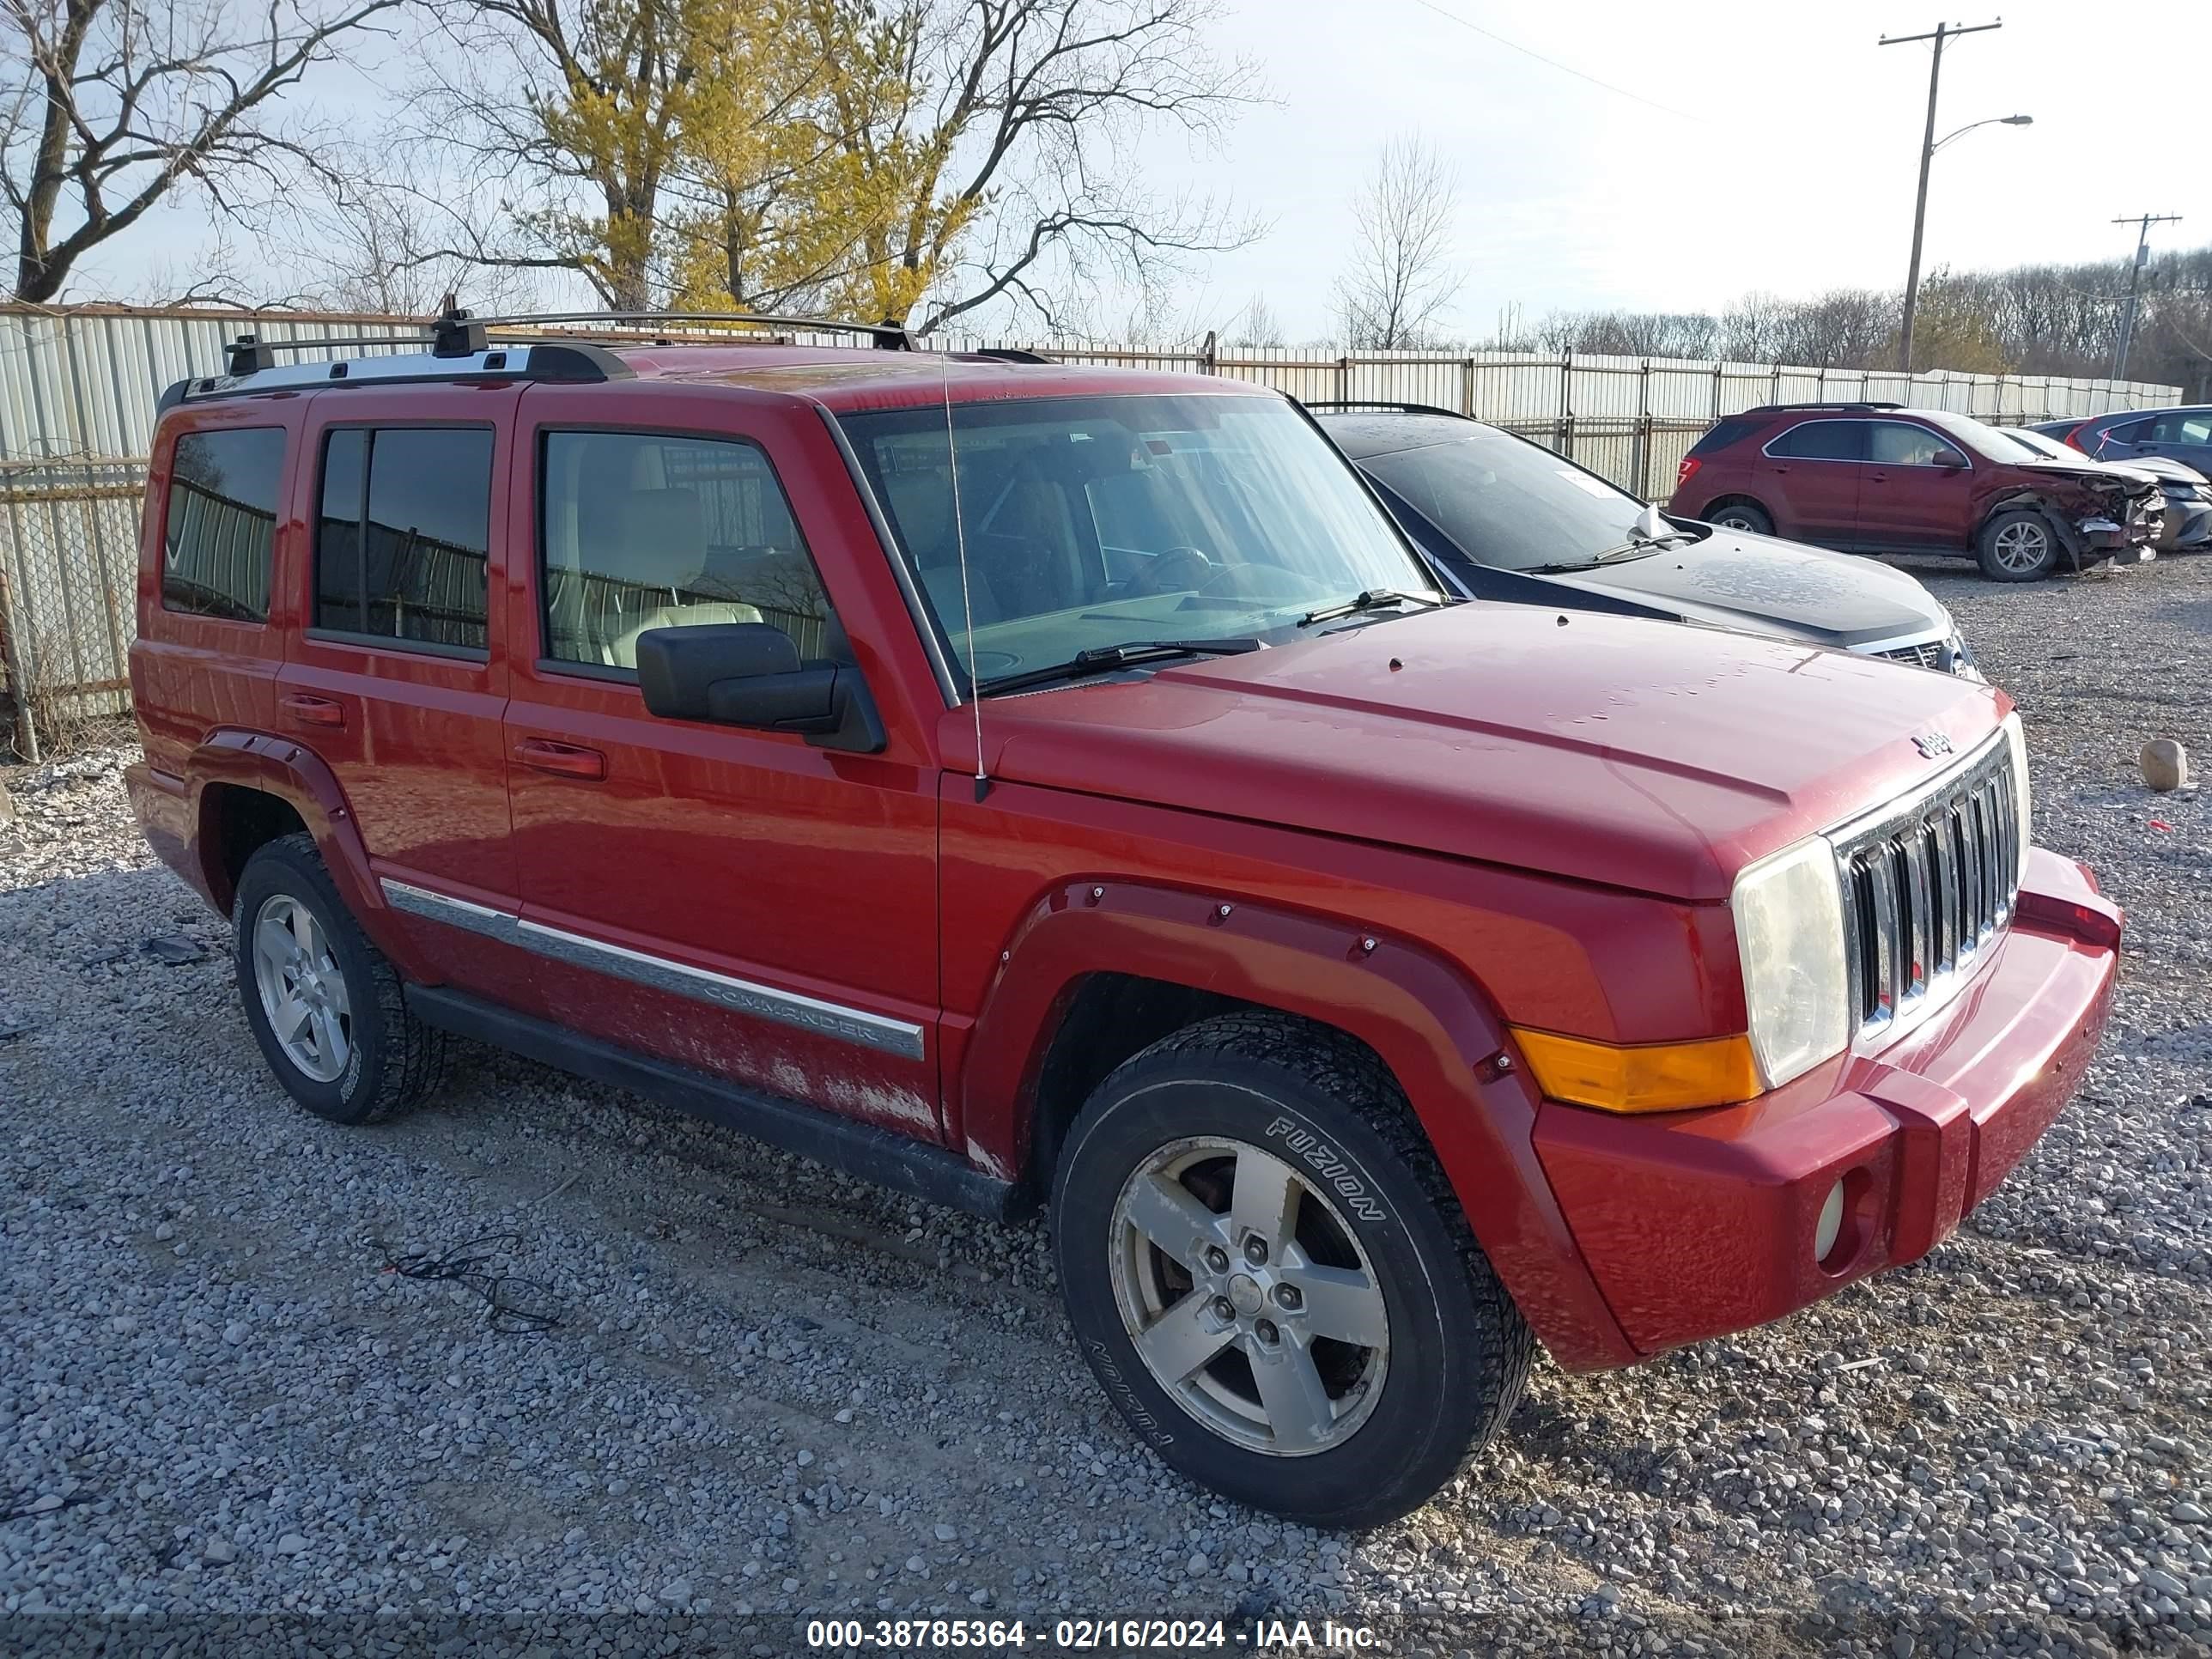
x=514, y=1306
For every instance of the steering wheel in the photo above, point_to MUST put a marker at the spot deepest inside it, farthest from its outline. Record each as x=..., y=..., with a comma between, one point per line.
x=1176, y=570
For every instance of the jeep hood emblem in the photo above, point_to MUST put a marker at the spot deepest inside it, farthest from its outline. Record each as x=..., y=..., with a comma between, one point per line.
x=1931, y=743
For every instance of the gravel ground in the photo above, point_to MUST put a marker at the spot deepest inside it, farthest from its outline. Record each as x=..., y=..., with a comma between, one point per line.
x=775, y=1392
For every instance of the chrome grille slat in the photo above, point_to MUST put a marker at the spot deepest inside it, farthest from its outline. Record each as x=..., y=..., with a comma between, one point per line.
x=1928, y=883
x=1919, y=967
x=1888, y=985
x=1942, y=837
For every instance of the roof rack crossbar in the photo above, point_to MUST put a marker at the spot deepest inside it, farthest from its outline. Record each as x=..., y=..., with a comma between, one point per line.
x=890, y=336
x=249, y=353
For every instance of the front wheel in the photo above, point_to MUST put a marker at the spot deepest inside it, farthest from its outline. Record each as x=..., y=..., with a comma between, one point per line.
x=2017, y=546
x=1271, y=1276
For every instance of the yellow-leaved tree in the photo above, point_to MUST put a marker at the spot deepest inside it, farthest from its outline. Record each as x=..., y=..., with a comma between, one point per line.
x=903, y=161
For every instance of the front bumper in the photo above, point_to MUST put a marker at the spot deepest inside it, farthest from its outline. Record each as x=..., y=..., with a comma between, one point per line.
x=1697, y=1224
x=2188, y=526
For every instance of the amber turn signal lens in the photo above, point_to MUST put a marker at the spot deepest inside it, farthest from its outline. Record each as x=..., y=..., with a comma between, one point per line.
x=1646, y=1076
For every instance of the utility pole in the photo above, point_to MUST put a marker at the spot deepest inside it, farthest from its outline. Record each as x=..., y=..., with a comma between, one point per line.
x=1942, y=32
x=2143, y=221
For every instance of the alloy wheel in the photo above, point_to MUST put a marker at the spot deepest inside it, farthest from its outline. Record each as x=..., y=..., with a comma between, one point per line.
x=2022, y=547
x=1247, y=1298
x=302, y=988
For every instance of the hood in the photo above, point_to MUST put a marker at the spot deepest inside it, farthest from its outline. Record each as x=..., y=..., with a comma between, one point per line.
x=1773, y=586
x=2160, y=467
x=2086, y=471
x=1635, y=754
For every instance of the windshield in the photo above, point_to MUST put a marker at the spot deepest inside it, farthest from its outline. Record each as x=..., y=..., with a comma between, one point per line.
x=1094, y=522
x=2043, y=448
x=1507, y=503
x=1990, y=443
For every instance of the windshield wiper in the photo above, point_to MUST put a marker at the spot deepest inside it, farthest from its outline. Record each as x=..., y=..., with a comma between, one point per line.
x=1102, y=659
x=1370, y=598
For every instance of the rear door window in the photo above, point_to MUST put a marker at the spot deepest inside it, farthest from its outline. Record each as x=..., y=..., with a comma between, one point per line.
x=219, y=529
x=1821, y=440
x=2180, y=427
x=403, y=535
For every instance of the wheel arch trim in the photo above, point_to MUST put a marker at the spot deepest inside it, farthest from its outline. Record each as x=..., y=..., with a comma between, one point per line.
x=281, y=768
x=1426, y=1020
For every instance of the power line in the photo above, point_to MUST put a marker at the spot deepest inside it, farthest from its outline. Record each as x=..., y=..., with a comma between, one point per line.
x=1563, y=69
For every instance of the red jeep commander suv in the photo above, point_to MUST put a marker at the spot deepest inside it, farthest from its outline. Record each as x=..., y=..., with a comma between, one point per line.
x=1880, y=479
x=1018, y=781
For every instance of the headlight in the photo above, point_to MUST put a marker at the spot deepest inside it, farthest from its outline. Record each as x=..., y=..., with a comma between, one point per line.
x=1788, y=915
x=2017, y=741
x=1962, y=657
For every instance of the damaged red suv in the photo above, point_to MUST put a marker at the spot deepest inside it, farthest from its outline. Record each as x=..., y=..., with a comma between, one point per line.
x=1017, y=781
x=1882, y=478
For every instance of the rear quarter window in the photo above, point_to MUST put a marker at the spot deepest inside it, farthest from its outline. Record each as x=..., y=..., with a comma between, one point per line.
x=219, y=524
x=1724, y=436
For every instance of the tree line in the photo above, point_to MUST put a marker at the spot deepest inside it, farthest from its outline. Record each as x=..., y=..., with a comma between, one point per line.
x=1401, y=276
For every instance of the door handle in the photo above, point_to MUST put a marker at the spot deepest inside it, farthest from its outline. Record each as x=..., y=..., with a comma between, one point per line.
x=564, y=760
x=1877, y=477
x=312, y=711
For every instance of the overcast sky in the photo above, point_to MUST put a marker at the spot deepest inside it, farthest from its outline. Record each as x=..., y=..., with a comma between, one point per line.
x=1790, y=166
x=1774, y=147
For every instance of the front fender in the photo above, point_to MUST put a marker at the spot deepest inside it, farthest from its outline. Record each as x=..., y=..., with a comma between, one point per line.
x=297, y=777
x=1431, y=1024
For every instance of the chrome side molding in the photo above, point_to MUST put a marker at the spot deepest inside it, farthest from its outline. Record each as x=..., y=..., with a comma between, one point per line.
x=739, y=996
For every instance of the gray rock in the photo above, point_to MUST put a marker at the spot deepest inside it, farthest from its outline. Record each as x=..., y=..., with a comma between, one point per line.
x=2165, y=764
x=219, y=1552
x=291, y=1544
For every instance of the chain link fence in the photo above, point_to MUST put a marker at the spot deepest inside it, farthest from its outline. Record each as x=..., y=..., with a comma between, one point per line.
x=69, y=576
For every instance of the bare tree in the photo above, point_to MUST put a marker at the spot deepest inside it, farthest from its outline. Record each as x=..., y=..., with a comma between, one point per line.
x=1257, y=325
x=1401, y=278
x=112, y=105
x=392, y=235
x=1017, y=143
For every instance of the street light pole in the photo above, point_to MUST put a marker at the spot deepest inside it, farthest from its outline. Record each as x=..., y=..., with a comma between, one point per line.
x=2144, y=222
x=1942, y=32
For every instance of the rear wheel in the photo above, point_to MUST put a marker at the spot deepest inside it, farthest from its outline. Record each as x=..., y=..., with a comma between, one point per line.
x=1270, y=1275
x=1747, y=516
x=2017, y=546
x=328, y=1009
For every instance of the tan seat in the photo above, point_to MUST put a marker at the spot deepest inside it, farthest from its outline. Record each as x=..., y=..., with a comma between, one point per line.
x=660, y=543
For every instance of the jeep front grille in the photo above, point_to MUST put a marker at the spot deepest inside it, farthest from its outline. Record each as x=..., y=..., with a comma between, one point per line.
x=1928, y=885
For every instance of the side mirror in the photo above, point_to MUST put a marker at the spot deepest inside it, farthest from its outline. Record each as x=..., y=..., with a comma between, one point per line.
x=1950, y=460
x=749, y=674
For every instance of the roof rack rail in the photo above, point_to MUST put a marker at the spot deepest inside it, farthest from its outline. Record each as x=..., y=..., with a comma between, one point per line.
x=890, y=337
x=1388, y=405
x=1778, y=409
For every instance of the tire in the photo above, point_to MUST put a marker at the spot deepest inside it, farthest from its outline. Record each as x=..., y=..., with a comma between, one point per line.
x=2018, y=545
x=1748, y=516
x=1375, y=1223
x=359, y=1056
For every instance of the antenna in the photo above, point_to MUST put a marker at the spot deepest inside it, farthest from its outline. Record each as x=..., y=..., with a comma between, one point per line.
x=967, y=603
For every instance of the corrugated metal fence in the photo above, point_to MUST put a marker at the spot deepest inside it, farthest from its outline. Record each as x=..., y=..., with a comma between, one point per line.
x=78, y=387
